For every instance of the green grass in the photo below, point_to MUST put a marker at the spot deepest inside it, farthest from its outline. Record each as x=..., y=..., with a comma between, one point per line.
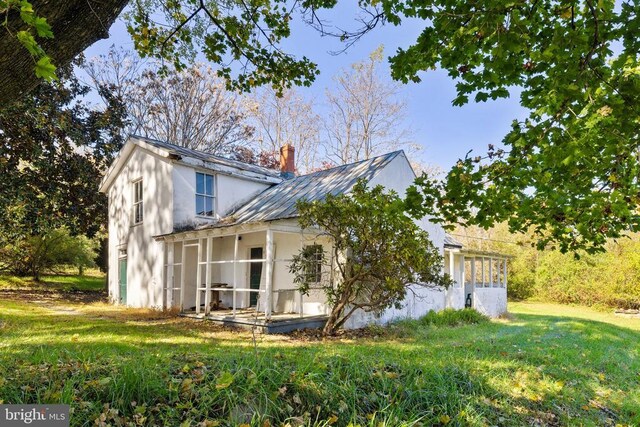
x=92, y=280
x=547, y=365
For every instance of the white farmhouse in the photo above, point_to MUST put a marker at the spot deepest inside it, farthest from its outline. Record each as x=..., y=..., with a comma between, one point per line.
x=213, y=237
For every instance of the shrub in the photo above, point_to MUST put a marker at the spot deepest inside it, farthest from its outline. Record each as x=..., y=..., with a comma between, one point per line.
x=34, y=255
x=451, y=317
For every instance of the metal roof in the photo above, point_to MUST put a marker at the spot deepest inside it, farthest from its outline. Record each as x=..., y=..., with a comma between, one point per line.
x=206, y=157
x=279, y=201
x=450, y=242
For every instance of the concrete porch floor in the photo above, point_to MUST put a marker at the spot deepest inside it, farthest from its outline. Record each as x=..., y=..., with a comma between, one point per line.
x=280, y=323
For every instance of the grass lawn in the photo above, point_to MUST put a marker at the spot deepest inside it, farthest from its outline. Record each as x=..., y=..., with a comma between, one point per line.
x=92, y=280
x=547, y=365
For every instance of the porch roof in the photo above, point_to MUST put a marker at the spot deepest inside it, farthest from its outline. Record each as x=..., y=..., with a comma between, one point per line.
x=451, y=243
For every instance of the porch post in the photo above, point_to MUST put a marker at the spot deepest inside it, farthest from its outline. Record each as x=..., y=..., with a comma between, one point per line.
x=207, y=294
x=182, y=275
x=505, y=272
x=269, y=274
x=299, y=291
x=163, y=275
x=473, y=272
x=463, y=274
x=491, y=272
x=198, y=276
x=482, y=263
x=169, y=277
x=235, y=274
x=452, y=267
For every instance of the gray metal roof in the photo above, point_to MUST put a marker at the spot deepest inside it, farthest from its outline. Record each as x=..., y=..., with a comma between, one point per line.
x=450, y=242
x=279, y=201
x=206, y=157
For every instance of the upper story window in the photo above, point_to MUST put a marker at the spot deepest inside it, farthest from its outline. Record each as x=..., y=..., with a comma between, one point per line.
x=205, y=196
x=137, y=202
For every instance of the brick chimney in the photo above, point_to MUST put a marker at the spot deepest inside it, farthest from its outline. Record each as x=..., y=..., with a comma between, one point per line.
x=287, y=161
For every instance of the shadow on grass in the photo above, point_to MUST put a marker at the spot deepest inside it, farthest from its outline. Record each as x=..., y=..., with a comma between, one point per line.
x=533, y=370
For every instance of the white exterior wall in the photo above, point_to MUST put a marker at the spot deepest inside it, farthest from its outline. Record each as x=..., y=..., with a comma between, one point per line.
x=455, y=296
x=229, y=192
x=144, y=254
x=490, y=301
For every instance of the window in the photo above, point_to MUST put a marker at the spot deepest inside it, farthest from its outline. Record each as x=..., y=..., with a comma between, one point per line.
x=204, y=194
x=137, y=202
x=313, y=255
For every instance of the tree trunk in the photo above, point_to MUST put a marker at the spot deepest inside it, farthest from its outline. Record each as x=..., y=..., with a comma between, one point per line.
x=332, y=322
x=76, y=24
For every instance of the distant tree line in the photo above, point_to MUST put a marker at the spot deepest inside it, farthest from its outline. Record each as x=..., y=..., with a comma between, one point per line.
x=607, y=279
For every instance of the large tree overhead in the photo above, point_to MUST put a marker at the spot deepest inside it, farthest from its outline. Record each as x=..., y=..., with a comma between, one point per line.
x=569, y=171
x=46, y=34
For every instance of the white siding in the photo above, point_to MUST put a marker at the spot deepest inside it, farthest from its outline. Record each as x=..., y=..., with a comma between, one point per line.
x=490, y=301
x=229, y=192
x=144, y=254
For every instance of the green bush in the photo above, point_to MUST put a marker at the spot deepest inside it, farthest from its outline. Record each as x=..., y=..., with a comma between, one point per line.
x=35, y=255
x=451, y=317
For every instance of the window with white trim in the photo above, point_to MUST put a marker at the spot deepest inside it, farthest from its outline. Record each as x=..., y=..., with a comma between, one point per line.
x=313, y=256
x=205, y=196
x=137, y=202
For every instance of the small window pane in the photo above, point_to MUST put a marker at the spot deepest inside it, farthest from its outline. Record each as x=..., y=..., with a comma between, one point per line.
x=208, y=206
x=199, y=183
x=209, y=185
x=199, y=205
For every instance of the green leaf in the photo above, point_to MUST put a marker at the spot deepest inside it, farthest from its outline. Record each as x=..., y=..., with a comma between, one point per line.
x=45, y=69
x=42, y=27
x=224, y=380
x=30, y=43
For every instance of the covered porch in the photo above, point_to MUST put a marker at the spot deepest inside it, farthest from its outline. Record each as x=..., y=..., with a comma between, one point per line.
x=239, y=275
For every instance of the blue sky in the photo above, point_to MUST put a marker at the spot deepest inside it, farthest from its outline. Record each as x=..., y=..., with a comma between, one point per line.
x=446, y=132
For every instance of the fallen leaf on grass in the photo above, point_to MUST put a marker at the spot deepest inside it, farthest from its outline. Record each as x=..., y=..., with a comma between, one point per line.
x=224, y=381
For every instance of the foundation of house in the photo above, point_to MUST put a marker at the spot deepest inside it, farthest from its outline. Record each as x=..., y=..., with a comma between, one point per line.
x=279, y=323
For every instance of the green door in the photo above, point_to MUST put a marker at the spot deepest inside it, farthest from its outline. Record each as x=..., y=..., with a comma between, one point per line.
x=255, y=274
x=122, y=280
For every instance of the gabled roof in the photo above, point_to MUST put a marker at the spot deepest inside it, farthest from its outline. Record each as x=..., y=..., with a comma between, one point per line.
x=208, y=158
x=187, y=156
x=279, y=201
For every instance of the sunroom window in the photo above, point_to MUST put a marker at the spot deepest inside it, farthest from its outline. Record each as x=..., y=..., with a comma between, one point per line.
x=205, y=197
